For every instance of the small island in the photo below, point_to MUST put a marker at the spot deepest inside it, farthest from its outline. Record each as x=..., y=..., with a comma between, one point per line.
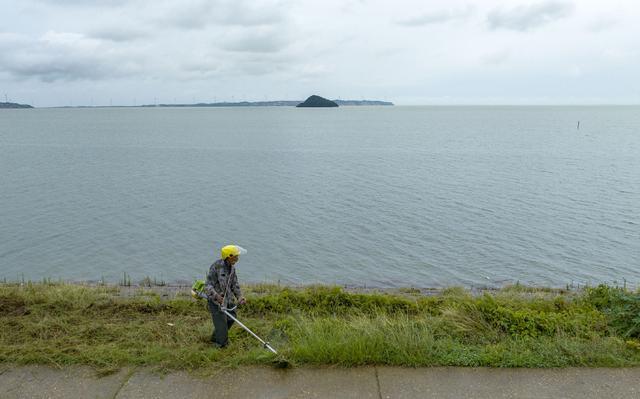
x=317, y=101
x=14, y=105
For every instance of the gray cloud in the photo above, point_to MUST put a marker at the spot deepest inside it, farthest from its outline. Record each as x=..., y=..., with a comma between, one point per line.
x=258, y=67
x=63, y=57
x=235, y=65
x=200, y=69
x=523, y=18
x=51, y=70
x=257, y=41
x=164, y=40
x=84, y=3
x=437, y=17
x=198, y=14
x=246, y=13
x=187, y=15
x=118, y=34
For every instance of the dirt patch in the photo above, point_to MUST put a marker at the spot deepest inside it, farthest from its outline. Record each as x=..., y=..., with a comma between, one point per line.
x=10, y=306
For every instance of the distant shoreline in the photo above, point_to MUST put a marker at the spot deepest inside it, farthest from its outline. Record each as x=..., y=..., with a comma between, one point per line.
x=277, y=103
x=10, y=105
x=225, y=105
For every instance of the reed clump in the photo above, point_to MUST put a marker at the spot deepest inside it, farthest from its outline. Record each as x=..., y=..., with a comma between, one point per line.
x=63, y=324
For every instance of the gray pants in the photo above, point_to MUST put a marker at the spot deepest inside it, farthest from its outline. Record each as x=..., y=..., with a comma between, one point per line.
x=221, y=324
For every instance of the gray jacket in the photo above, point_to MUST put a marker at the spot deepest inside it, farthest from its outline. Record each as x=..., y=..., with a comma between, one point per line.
x=222, y=276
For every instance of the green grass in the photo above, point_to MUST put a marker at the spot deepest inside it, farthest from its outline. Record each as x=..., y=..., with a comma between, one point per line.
x=63, y=324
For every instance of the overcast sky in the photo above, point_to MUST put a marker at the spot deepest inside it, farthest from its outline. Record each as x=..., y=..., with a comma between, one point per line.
x=81, y=52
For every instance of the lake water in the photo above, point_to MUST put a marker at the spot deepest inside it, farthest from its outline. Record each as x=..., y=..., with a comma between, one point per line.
x=366, y=196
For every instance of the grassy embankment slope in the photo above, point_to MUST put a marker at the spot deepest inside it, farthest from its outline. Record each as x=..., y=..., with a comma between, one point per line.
x=60, y=324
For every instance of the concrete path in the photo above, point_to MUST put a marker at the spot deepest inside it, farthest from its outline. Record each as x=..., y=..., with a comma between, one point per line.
x=365, y=382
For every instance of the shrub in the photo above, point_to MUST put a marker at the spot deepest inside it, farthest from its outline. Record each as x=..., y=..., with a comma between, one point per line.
x=621, y=306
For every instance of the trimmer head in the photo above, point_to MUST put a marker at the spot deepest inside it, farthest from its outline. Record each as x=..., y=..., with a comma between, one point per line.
x=281, y=364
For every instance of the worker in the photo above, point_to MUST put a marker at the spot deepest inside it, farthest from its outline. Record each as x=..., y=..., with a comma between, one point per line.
x=221, y=285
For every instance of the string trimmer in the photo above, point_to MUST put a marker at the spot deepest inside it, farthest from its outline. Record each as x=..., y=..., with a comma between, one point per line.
x=280, y=363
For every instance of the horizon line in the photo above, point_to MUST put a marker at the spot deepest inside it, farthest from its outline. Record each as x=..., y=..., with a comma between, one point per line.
x=226, y=104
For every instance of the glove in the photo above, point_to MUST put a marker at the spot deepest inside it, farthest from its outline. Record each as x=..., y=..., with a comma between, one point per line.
x=218, y=298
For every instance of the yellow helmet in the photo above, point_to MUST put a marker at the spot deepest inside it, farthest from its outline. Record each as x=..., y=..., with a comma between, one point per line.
x=229, y=250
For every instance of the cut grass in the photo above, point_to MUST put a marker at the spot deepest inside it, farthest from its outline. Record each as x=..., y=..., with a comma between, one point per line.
x=65, y=324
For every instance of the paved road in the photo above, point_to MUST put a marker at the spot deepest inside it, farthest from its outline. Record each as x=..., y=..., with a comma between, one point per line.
x=365, y=382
